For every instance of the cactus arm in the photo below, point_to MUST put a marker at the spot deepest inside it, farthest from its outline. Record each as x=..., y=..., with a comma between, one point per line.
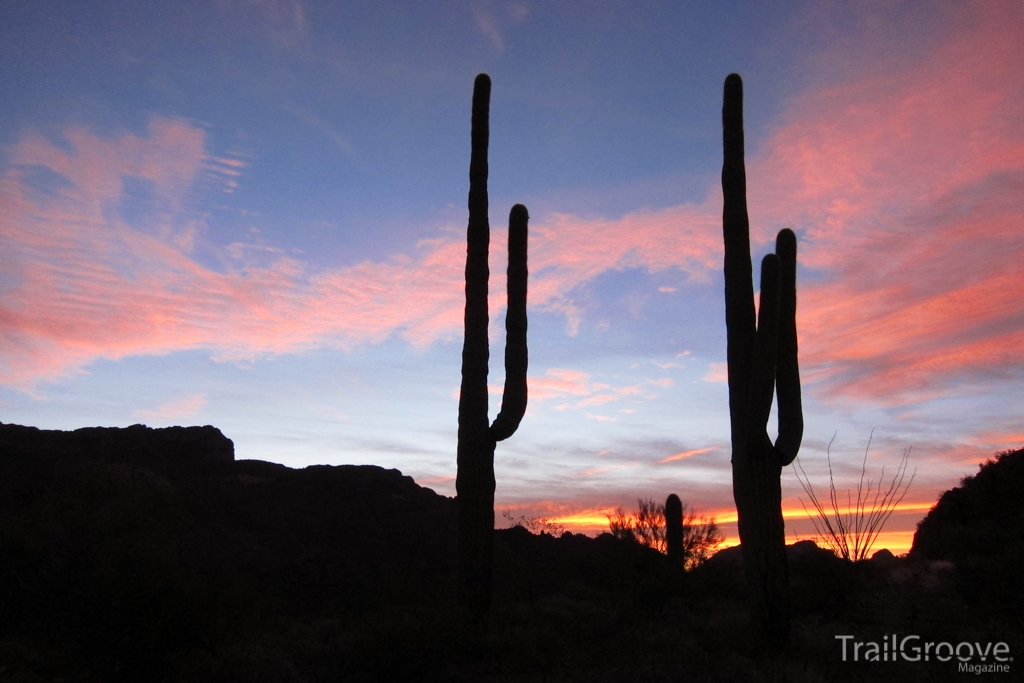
x=791, y=417
x=513, y=401
x=762, y=385
x=739, y=291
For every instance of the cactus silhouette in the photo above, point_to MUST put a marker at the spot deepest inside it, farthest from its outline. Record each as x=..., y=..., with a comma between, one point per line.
x=674, y=531
x=762, y=361
x=474, y=483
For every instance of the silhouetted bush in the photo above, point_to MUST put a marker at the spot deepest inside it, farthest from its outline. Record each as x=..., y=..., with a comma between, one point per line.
x=646, y=526
x=979, y=526
x=852, y=533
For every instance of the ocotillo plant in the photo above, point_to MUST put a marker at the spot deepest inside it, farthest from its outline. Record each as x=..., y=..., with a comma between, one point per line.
x=762, y=361
x=674, y=531
x=474, y=483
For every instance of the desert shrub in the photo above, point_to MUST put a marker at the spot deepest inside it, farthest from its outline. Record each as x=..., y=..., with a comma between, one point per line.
x=851, y=532
x=535, y=525
x=646, y=526
x=979, y=526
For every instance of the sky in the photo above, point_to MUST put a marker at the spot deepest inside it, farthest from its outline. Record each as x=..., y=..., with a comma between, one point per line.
x=252, y=214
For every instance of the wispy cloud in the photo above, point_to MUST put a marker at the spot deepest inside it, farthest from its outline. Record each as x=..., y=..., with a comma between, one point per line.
x=186, y=406
x=1002, y=439
x=488, y=26
x=325, y=128
x=491, y=22
x=83, y=283
x=563, y=383
x=558, y=381
x=906, y=191
x=688, y=454
x=282, y=22
x=717, y=373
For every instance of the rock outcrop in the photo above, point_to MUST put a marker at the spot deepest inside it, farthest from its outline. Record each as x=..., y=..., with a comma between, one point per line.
x=137, y=443
x=979, y=527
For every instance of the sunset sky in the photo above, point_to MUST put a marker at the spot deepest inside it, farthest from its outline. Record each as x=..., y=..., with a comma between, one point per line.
x=252, y=214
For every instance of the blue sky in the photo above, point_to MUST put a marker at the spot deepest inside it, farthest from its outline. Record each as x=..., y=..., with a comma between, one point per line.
x=252, y=214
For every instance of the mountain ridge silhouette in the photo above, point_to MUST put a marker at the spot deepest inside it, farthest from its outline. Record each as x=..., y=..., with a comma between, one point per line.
x=152, y=554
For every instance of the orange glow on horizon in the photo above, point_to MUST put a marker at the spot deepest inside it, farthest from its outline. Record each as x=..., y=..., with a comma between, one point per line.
x=585, y=520
x=594, y=521
x=598, y=517
x=729, y=515
x=898, y=542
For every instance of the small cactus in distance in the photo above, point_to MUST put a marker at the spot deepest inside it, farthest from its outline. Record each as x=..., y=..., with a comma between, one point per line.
x=474, y=482
x=762, y=361
x=674, y=531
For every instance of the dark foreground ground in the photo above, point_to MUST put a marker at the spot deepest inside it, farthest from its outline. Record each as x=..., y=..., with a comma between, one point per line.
x=151, y=555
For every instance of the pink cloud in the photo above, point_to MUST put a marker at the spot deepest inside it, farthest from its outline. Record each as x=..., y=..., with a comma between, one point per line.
x=598, y=400
x=82, y=284
x=908, y=190
x=560, y=381
x=717, y=373
x=1001, y=439
x=186, y=406
x=687, y=454
x=905, y=188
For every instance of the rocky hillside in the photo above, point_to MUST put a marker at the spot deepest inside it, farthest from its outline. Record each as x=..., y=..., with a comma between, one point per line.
x=125, y=548
x=125, y=551
x=979, y=527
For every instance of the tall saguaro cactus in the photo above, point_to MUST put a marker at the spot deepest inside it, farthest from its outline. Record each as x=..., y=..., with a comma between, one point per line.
x=762, y=360
x=474, y=483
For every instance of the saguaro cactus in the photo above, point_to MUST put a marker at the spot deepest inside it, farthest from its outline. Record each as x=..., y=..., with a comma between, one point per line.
x=674, y=531
x=474, y=483
x=762, y=361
